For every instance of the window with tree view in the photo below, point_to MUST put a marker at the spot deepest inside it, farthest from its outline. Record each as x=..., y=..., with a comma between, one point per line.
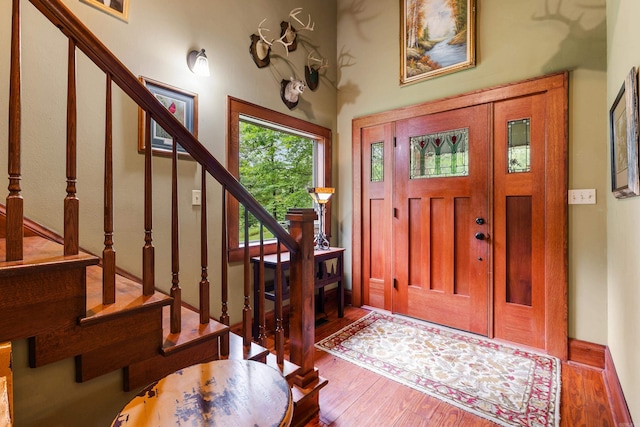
x=277, y=168
x=276, y=157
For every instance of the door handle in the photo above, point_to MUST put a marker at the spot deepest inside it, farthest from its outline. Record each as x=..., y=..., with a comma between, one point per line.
x=479, y=221
x=480, y=236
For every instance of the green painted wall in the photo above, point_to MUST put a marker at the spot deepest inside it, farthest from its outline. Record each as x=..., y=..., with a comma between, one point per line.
x=154, y=44
x=361, y=39
x=623, y=296
x=513, y=44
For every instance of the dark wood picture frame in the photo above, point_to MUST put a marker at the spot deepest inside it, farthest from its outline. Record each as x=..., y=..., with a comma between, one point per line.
x=182, y=104
x=623, y=123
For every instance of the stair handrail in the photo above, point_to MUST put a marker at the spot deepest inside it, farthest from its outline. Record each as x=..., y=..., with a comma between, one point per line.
x=298, y=241
x=90, y=45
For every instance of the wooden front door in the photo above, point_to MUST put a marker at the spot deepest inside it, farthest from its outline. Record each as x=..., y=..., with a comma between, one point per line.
x=441, y=254
x=466, y=226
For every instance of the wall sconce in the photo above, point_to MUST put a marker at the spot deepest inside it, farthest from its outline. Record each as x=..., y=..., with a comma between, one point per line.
x=321, y=196
x=198, y=63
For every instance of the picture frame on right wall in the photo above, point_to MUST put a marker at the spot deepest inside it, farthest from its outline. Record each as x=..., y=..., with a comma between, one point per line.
x=623, y=126
x=438, y=38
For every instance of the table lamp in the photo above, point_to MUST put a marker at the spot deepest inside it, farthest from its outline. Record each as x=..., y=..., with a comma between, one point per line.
x=321, y=196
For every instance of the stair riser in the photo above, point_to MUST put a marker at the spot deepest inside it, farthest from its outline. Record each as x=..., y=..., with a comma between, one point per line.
x=35, y=303
x=111, y=357
x=143, y=373
x=79, y=339
x=306, y=402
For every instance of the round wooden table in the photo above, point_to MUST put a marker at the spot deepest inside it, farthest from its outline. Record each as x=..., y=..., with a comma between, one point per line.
x=219, y=393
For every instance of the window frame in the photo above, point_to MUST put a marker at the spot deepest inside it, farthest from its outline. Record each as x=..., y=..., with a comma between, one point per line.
x=238, y=108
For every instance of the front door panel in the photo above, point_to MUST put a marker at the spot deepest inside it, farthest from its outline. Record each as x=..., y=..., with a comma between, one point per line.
x=441, y=240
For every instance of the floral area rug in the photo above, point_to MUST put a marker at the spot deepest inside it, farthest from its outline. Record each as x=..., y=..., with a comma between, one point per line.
x=504, y=384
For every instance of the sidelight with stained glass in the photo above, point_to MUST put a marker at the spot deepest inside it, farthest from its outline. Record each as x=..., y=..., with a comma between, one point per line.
x=377, y=162
x=519, y=142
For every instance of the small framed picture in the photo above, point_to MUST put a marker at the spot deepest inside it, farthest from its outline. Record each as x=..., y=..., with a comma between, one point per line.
x=117, y=8
x=437, y=38
x=623, y=122
x=184, y=107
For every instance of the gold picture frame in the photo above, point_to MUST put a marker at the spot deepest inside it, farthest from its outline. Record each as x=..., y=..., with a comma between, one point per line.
x=117, y=8
x=438, y=38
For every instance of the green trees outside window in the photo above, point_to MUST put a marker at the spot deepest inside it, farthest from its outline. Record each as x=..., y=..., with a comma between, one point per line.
x=277, y=168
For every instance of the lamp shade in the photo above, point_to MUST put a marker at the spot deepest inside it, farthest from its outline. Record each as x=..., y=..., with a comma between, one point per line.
x=198, y=62
x=321, y=194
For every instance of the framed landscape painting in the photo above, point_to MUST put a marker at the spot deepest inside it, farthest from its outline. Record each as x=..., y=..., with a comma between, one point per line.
x=438, y=37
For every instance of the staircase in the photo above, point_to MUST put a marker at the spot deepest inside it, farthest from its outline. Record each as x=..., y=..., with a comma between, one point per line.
x=70, y=303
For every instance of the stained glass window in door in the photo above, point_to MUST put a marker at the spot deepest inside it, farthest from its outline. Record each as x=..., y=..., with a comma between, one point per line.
x=441, y=154
x=519, y=145
x=377, y=162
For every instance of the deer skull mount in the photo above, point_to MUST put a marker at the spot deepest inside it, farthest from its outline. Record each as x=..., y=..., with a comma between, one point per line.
x=290, y=91
x=260, y=48
x=260, y=51
x=289, y=33
x=312, y=70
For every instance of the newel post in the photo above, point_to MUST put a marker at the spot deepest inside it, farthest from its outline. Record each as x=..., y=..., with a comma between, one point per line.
x=301, y=293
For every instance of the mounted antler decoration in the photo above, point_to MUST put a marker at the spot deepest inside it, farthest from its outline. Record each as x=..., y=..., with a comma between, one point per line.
x=260, y=48
x=290, y=91
x=289, y=33
x=311, y=70
x=260, y=51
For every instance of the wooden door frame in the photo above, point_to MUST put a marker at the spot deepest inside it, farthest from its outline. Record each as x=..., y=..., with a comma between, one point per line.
x=555, y=86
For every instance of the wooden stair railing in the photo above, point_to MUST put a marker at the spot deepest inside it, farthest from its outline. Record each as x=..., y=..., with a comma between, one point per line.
x=299, y=242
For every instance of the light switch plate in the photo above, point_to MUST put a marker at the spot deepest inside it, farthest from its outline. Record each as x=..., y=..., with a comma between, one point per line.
x=196, y=199
x=582, y=197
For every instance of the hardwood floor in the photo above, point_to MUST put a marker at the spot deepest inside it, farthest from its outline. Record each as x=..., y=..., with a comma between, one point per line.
x=359, y=397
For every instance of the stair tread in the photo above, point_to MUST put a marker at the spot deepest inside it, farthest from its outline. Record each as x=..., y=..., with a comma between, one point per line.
x=288, y=369
x=299, y=393
x=42, y=253
x=192, y=331
x=238, y=351
x=128, y=297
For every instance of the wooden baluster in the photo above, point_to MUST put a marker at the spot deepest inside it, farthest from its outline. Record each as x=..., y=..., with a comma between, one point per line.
x=71, y=203
x=246, y=310
x=262, y=336
x=108, y=253
x=148, y=251
x=176, y=292
x=204, y=282
x=279, y=338
x=301, y=294
x=224, y=317
x=15, y=204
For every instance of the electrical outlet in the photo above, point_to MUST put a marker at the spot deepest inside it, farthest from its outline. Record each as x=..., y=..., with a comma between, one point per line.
x=196, y=198
x=582, y=197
